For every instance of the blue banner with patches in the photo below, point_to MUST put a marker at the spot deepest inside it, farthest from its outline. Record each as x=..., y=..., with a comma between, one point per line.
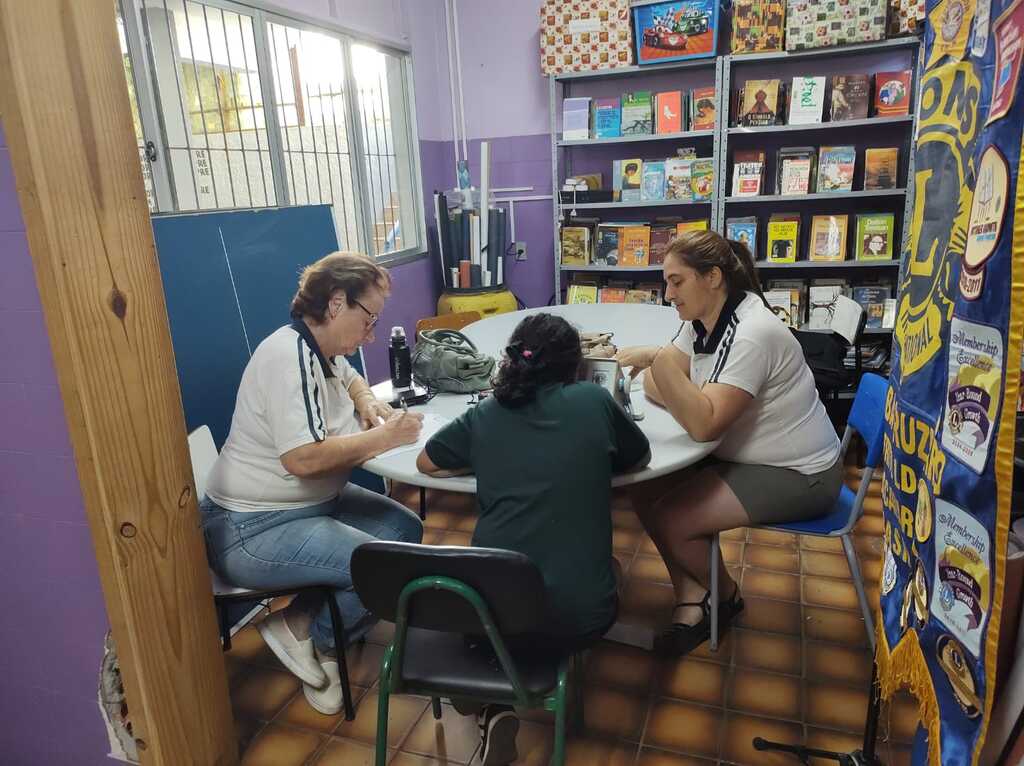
x=950, y=411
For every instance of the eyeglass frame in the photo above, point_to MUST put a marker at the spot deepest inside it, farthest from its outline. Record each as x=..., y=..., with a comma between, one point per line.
x=374, y=318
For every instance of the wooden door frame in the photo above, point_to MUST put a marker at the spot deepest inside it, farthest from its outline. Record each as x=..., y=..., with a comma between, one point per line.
x=65, y=109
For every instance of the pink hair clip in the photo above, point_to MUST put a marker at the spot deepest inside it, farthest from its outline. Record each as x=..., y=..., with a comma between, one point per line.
x=527, y=353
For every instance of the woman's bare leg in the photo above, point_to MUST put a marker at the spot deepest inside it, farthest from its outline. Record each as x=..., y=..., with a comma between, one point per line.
x=682, y=523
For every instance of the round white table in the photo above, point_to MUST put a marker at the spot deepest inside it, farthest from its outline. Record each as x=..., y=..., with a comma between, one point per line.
x=632, y=324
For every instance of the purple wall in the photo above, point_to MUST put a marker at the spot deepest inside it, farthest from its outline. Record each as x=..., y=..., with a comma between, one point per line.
x=52, y=616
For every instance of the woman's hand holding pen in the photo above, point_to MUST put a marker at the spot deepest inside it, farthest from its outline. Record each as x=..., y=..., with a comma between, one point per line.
x=403, y=427
x=639, y=358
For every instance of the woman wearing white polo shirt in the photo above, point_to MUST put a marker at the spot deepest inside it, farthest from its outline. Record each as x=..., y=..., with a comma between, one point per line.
x=279, y=511
x=734, y=373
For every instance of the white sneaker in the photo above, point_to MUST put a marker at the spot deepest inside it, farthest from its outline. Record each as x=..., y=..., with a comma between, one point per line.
x=295, y=655
x=327, y=699
x=498, y=728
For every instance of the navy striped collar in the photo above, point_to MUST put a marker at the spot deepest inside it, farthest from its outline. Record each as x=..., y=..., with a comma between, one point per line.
x=705, y=343
x=303, y=330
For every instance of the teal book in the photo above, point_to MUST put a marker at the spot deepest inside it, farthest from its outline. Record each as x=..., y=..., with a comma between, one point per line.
x=652, y=185
x=607, y=118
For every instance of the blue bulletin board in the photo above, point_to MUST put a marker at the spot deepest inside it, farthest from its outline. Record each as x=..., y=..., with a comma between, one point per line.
x=229, y=278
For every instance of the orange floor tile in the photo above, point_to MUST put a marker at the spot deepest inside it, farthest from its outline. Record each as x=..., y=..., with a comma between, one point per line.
x=795, y=668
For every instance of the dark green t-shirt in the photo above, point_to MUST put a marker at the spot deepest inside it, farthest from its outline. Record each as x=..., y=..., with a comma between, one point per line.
x=544, y=475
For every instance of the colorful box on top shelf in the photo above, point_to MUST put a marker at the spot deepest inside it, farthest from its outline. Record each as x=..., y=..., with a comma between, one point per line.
x=757, y=25
x=823, y=23
x=582, y=37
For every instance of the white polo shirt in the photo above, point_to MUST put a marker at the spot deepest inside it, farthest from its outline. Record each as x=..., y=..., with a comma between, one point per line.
x=786, y=424
x=290, y=395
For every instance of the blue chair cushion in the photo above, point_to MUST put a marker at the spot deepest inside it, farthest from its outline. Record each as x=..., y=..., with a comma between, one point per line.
x=827, y=525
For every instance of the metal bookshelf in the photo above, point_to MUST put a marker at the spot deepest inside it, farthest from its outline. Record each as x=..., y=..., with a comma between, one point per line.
x=561, y=87
x=906, y=124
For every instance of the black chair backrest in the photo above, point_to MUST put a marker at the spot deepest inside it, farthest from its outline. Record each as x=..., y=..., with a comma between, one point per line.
x=510, y=584
x=824, y=353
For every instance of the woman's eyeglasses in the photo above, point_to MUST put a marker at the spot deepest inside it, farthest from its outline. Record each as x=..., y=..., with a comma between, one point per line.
x=374, y=318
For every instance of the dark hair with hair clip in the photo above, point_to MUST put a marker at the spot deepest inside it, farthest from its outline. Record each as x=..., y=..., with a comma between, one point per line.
x=704, y=250
x=543, y=349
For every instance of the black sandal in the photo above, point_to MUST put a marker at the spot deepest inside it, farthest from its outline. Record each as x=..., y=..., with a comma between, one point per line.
x=679, y=639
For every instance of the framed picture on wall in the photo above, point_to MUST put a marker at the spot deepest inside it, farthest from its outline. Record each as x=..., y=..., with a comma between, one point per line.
x=672, y=31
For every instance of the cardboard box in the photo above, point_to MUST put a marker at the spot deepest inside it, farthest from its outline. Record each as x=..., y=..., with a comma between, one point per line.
x=585, y=36
x=823, y=23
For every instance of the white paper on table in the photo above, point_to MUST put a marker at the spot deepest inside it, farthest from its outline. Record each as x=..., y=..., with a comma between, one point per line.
x=432, y=423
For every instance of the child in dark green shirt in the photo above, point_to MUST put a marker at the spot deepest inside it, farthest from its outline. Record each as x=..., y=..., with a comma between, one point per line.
x=543, y=450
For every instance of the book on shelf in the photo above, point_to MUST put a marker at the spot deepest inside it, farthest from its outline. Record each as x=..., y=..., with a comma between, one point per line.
x=669, y=107
x=637, y=113
x=760, y=103
x=835, y=168
x=781, y=304
x=757, y=25
x=616, y=180
x=661, y=237
x=889, y=314
x=580, y=293
x=806, y=100
x=702, y=179
x=795, y=169
x=652, y=185
x=743, y=230
x=677, y=178
x=699, y=224
x=872, y=299
x=607, y=118
x=797, y=289
x=606, y=251
x=653, y=289
x=783, y=237
x=828, y=238
x=875, y=233
x=702, y=108
x=575, y=245
x=611, y=295
x=881, y=168
x=632, y=179
x=822, y=304
x=635, y=246
x=638, y=296
x=576, y=119
x=892, y=93
x=747, y=172
x=850, y=96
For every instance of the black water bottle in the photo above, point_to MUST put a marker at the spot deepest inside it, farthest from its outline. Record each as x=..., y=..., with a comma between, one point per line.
x=400, y=360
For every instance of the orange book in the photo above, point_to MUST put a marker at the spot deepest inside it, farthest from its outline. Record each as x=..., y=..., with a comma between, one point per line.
x=670, y=112
x=634, y=245
x=612, y=295
x=685, y=226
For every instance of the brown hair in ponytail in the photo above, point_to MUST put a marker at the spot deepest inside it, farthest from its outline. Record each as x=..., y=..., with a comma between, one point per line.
x=704, y=250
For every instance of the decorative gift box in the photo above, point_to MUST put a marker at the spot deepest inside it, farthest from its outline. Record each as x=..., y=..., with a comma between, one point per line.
x=906, y=17
x=823, y=23
x=584, y=35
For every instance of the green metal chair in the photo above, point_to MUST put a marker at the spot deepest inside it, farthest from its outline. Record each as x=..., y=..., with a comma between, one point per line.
x=439, y=595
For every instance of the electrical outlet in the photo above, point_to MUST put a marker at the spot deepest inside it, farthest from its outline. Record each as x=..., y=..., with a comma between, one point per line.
x=520, y=251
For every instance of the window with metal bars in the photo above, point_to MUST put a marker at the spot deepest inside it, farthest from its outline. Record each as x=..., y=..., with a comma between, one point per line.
x=236, y=107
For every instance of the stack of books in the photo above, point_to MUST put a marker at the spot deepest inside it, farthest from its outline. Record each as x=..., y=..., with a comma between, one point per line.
x=809, y=170
x=688, y=179
x=808, y=99
x=641, y=112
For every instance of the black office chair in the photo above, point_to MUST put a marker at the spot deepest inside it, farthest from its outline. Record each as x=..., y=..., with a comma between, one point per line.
x=436, y=596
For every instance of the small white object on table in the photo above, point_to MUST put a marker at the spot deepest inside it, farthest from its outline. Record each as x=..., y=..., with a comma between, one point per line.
x=632, y=324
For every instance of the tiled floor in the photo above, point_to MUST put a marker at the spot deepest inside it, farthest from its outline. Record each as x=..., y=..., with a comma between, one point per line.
x=796, y=669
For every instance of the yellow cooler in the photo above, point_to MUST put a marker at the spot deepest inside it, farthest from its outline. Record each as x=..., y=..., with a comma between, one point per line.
x=486, y=301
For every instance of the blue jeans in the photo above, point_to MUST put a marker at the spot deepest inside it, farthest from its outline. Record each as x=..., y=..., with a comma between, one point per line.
x=307, y=546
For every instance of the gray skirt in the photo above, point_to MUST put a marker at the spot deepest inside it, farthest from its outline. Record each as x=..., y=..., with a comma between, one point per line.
x=772, y=495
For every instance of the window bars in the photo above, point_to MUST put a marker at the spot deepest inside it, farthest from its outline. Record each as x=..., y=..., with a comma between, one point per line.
x=235, y=107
